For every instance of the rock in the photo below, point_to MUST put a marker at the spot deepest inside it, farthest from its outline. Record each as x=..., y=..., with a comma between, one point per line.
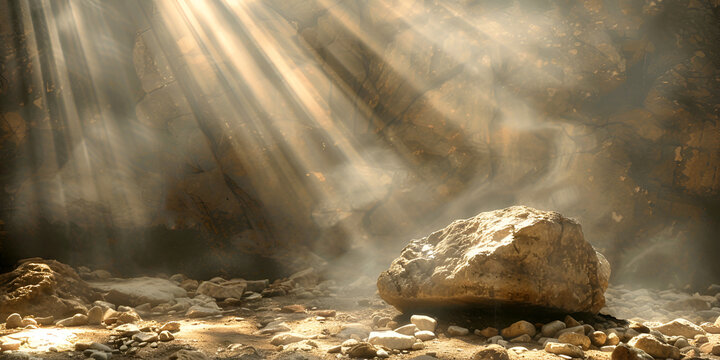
x=104, y=304
x=127, y=317
x=524, y=338
x=82, y=345
x=625, y=352
x=347, y=330
x=612, y=339
x=325, y=313
x=598, y=338
x=95, y=315
x=424, y=322
x=607, y=348
x=391, y=340
x=570, y=321
x=165, y=336
x=138, y=291
x=223, y=290
x=710, y=348
x=382, y=354
x=518, y=328
x=13, y=321
x=575, y=339
x=45, y=320
x=29, y=322
x=10, y=344
x=362, y=350
x=75, y=320
x=127, y=330
x=197, y=311
x=425, y=335
x=550, y=329
x=100, y=347
x=275, y=327
x=564, y=349
x=575, y=329
x=334, y=349
x=171, y=326
x=418, y=345
x=710, y=328
x=701, y=339
x=43, y=288
x=487, y=332
x=681, y=343
x=465, y=263
x=679, y=327
x=295, y=308
x=145, y=337
x=287, y=338
x=453, y=330
x=408, y=329
x=654, y=347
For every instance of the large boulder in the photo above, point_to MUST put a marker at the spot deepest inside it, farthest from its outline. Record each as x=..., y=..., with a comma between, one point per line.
x=137, y=291
x=516, y=256
x=42, y=288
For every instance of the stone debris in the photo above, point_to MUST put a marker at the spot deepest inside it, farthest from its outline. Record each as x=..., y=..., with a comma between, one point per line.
x=654, y=347
x=564, y=349
x=13, y=321
x=424, y=322
x=551, y=329
x=679, y=327
x=491, y=352
x=521, y=327
x=576, y=339
x=391, y=340
x=454, y=330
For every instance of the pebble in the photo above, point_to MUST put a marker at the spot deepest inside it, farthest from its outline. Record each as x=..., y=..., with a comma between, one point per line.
x=607, y=348
x=391, y=340
x=570, y=321
x=287, y=338
x=701, y=339
x=518, y=328
x=13, y=321
x=454, y=330
x=424, y=322
x=334, y=349
x=551, y=329
x=165, y=336
x=575, y=339
x=564, y=349
x=495, y=339
x=612, y=339
x=75, y=320
x=294, y=308
x=654, y=347
x=382, y=354
x=487, y=332
x=325, y=313
x=95, y=315
x=625, y=352
x=575, y=329
x=47, y=320
x=10, y=344
x=418, y=346
x=145, y=337
x=679, y=327
x=491, y=352
x=425, y=335
x=275, y=327
x=711, y=348
x=100, y=347
x=29, y=322
x=681, y=343
x=171, y=326
x=710, y=328
x=524, y=338
x=408, y=329
x=598, y=338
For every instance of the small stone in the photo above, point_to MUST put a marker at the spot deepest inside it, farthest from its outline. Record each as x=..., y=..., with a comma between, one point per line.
x=425, y=335
x=29, y=322
x=598, y=338
x=362, y=350
x=275, y=327
x=710, y=328
x=287, y=338
x=654, y=347
x=382, y=321
x=13, y=321
x=154, y=345
x=575, y=329
x=612, y=339
x=517, y=329
x=418, y=346
x=408, y=329
x=10, y=344
x=524, y=338
x=551, y=329
x=295, y=308
x=197, y=311
x=47, y=320
x=679, y=327
x=424, y=322
x=681, y=343
x=491, y=352
x=457, y=331
x=334, y=349
x=710, y=348
x=349, y=343
x=391, y=340
x=165, y=336
x=607, y=348
x=575, y=339
x=495, y=339
x=625, y=352
x=123, y=347
x=100, y=347
x=570, y=321
x=701, y=339
x=145, y=337
x=75, y=320
x=171, y=326
x=95, y=315
x=564, y=349
x=382, y=354
x=325, y=313
x=487, y=332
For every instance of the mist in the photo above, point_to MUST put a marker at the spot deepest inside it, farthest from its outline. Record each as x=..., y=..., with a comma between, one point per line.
x=262, y=137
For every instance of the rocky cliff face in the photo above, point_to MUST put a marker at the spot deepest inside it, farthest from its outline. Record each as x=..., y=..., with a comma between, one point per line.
x=421, y=113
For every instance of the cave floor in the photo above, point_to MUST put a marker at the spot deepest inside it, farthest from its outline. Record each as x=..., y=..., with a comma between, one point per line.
x=235, y=333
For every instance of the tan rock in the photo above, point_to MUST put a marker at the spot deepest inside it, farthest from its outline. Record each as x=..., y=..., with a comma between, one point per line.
x=598, y=338
x=564, y=349
x=679, y=327
x=575, y=339
x=223, y=290
x=468, y=263
x=518, y=328
x=491, y=352
x=654, y=347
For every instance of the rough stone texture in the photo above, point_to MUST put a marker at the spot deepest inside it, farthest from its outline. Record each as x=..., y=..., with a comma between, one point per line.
x=518, y=328
x=491, y=352
x=391, y=340
x=564, y=349
x=654, y=347
x=424, y=322
x=514, y=256
x=138, y=291
x=679, y=327
x=43, y=288
x=575, y=339
x=551, y=328
x=223, y=290
x=625, y=352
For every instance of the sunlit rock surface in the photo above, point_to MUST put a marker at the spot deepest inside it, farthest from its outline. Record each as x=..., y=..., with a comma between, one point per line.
x=514, y=256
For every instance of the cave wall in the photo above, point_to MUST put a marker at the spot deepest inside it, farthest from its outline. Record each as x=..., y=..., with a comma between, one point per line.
x=604, y=110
